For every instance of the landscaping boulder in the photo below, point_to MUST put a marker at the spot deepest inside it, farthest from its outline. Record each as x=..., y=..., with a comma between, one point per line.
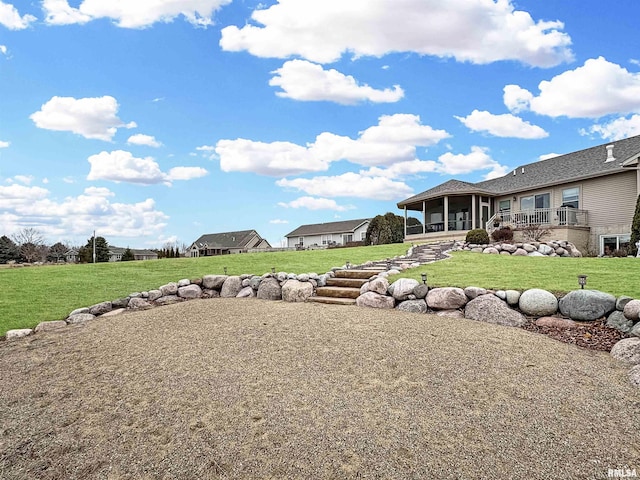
x=632, y=310
x=528, y=248
x=303, y=277
x=635, y=330
x=52, y=325
x=420, y=291
x=413, y=306
x=80, y=318
x=18, y=333
x=100, y=308
x=114, y=312
x=520, y=252
x=184, y=282
x=254, y=282
x=375, y=300
x=270, y=289
x=587, y=305
x=154, y=295
x=296, y=290
x=447, y=298
x=555, y=322
x=535, y=254
x=545, y=249
x=139, y=303
x=473, y=292
x=322, y=280
x=210, y=293
x=379, y=285
x=170, y=288
x=538, y=303
x=490, y=251
x=618, y=321
x=168, y=300
x=627, y=350
x=80, y=310
x=512, y=297
x=634, y=375
x=121, y=302
x=501, y=294
x=490, y=309
x=622, y=302
x=402, y=288
x=246, y=292
x=508, y=247
x=231, y=287
x=213, y=281
x=190, y=291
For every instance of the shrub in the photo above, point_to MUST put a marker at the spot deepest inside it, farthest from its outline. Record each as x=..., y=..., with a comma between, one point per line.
x=479, y=236
x=504, y=234
x=534, y=232
x=619, y=252
x=635, y=230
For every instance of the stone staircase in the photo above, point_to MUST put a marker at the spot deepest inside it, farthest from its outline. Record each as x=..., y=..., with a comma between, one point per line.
x=344, y=288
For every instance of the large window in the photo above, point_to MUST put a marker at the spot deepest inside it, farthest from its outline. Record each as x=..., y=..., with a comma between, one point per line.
x=530, y=202
x=610, y=243
x=571, y=197
x=347, y=238
x=504, y=205
x=326, y=239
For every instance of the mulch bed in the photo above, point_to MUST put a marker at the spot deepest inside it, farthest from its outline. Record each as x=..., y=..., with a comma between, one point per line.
x=590, y=335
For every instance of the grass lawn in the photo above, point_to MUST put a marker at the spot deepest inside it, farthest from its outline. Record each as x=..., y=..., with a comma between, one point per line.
x=34, y=294
x=618, y=276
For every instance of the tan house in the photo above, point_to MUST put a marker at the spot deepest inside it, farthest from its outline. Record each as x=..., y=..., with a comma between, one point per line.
x=116, y=253
x=587, y=197
x=328, y=234
x=226, y=243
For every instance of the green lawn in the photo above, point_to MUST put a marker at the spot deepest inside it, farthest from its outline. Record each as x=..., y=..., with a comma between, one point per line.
x=618, y=276
x=30, y=295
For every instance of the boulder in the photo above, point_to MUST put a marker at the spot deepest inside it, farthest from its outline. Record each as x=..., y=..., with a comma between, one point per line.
x=413, y=306
x=618, y=321
x=322, y=280
x=375, y=300
x=210, y=293
x=254, y=282
x=528, y=248
x=80, y=318
x=587, y=305
x=170, y=288
x=447, y=298
x=508, y=247
x=477, y=249
x=520, y=252
x=632, y=310
x=490, y=309
x=214, y=282
x=364, y=288
x=402, y=288
x=627, y=350
x=184, y=282
x=545, y=249
x=501, y=294
x=473, y=292
x=52, y=325
x=555, y=322
x=420, y=291
x=622, y=302
x=634, y=375
x=270, y=289
x=190, y=291
x=168, y=300
x=245, y=282
x=538, y=303
x=114, y=312
x=303, y=277
x=379, y=285
x=121, y=302
x=296, y=290
x=635, y=330
x=100, y=308
x=19, y=333
x=561, y=252
x=512, y=297
x=246, y=292
x=491, y=251
x=80, y=310
x=504, y=252
x=535, y=254
x=139, y=304
x=231, y=287
x=154, y=295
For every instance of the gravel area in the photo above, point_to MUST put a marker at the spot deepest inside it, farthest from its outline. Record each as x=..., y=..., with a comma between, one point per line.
x=228, y=388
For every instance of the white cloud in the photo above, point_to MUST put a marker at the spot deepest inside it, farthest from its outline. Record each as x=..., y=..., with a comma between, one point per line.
x=133, y=14
x=68, y=180
x=98, y=192
x=4, y=144
x=547, y=156
x=313, y=203
x=306, y=81
x=90, y=117
x=277, y=221
x=206, y=148
x=477, y=31
x=505, y=125
x=24, y=179
x=10, y=17
x=393, y=140
x=617, y=129
x=3, y=49
x=122, y=166
x=596, y=89
x=477, y=159
x=349, y=185
x=402, y=169
x=141, y=139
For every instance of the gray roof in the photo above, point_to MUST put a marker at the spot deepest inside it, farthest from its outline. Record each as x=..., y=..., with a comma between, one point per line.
x=135, y=251
x=580, y=165
x=327, y=228
x=226, y=239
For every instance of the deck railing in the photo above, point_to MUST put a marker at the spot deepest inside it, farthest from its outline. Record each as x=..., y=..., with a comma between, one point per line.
x=551, y=217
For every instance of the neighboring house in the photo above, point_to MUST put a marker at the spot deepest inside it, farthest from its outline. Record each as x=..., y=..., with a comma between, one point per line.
x=326, y=234
x=226, y=243
x=115, y=254
x=71, y=256
x=587, y=197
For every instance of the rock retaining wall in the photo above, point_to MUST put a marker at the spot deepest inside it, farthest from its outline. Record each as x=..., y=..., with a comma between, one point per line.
x=525, y=249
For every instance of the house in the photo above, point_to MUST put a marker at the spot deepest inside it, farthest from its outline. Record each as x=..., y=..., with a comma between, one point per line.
x=226, y=243
x=586, y=197
x=326, y=234
x=115, y=254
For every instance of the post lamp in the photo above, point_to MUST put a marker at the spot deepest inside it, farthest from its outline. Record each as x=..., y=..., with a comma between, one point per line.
x=424, y=278
x=582, y=281
x=388, y=264
x=273, y=269
x=225, y=270
x=348, y=264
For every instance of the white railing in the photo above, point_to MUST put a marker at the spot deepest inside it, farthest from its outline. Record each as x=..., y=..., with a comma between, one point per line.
x=560, y=216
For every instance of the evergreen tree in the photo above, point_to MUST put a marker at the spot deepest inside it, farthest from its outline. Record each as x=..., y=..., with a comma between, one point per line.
x=57, y=252
x=384, y=229
x=8, y=250
x=635, y=230
x=102, y=251
x=127, y=256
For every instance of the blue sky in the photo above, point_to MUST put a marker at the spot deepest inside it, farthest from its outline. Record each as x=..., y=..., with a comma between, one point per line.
x=157, y=121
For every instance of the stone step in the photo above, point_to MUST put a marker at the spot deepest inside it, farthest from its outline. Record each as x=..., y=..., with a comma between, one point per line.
x=333, y=300
x=353, y=273
x=346, y=282
x=342, y=292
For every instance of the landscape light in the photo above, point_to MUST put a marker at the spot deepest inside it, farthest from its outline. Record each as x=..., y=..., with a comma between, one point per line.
x=582, y=281
x=388, y=264
x=273, y=269
x=348, y=264
x=225, y=270
x=424, y=278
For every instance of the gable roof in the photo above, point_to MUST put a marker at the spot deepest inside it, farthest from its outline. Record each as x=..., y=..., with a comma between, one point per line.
x=327, y=228
x=580, y=165
x=226, y=239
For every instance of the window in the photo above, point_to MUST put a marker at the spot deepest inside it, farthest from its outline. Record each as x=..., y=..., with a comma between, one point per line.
x=300, y=241
x=326, y=239
x=570, y=197
x=536, y=202
x=363, y=235
x=504, y=205
x=611, y=243
x=347, y=238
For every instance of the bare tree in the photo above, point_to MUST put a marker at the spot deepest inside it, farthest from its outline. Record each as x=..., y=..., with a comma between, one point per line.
x=534, y=232
x=31, y=244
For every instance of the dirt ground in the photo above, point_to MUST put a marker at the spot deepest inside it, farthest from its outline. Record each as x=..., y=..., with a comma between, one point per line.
x=228, y=388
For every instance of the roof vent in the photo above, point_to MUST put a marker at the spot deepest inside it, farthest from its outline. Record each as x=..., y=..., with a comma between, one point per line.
x=522, y=169
x=610, y=157
x=514, y=173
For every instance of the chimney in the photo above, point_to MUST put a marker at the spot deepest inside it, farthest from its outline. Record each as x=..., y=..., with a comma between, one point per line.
x=610, y=157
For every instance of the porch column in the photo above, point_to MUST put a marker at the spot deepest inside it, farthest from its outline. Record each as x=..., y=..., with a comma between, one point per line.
x=405, y=221
x=473, y=211
x=446, y=213
x=424, y=217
